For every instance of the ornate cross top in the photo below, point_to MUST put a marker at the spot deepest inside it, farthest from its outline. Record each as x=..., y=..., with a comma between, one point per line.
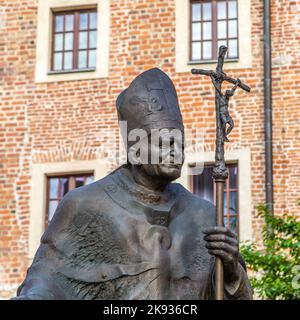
x=223, y=117
x=224, y=126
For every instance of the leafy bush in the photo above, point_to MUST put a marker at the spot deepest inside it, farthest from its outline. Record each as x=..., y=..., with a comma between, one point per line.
x=276, y=265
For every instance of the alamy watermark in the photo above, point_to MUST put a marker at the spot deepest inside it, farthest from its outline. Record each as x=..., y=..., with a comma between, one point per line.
x=160, y=146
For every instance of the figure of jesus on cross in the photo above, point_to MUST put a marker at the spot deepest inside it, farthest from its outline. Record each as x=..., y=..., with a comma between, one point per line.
x=224, y=126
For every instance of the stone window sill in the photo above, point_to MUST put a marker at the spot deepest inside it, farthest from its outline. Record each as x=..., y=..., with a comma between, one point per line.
x=197, y=62
x=72, y=71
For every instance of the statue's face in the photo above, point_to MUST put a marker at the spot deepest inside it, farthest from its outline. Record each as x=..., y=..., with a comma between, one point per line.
x=165, y=154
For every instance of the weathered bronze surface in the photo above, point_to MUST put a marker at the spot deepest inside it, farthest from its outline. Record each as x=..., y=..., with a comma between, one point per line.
x=134, y=234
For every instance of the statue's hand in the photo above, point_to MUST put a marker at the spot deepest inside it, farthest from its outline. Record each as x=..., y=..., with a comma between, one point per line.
x=222, y=242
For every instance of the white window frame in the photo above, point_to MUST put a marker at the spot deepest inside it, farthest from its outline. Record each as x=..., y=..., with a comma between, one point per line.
x=183, y=63
x=44, y=38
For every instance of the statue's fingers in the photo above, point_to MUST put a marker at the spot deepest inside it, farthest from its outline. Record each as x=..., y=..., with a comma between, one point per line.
x=221, y=237
x=222, y=246
x=214, y=229
x=219, y=230
x=226, y=257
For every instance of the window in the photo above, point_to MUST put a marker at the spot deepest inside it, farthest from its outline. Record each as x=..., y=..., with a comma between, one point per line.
x=203, y=186
x=58, y=186
x=213, y=23
x=46, y=70
x=74, y=44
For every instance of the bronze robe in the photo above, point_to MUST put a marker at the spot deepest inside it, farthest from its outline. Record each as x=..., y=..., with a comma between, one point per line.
x=113, y=239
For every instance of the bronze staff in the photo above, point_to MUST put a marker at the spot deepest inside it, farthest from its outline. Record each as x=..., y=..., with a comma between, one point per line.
x=220, y=172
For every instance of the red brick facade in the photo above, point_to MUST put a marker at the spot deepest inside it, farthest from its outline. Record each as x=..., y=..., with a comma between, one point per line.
x=38, y=119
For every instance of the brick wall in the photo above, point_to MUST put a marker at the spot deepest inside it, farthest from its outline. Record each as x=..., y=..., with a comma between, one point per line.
x=38, y=121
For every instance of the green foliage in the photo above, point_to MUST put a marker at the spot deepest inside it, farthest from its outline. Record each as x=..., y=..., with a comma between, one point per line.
x=277, y=264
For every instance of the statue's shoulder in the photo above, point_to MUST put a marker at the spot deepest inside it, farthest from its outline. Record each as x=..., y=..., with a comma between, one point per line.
x=78, y=207
x=193, y=203
x=92, y=194
x=81, y=200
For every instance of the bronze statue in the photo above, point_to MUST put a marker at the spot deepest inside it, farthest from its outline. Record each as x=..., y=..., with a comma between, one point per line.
x=224, y=101
x=134, y=234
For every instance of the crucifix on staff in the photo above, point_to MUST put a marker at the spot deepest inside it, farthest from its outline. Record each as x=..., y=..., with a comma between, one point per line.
x=224, y=125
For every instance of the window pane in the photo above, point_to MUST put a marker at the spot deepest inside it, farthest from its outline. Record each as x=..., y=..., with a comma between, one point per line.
x=51, y=208
x=225, y=202
x=93, y=39
x=69, y=23
x=83, y=40
x=82, y=59
x=233, y=172
x=222, y=30
x=58, y=188
x=68, y=60
x=93, y=20
x=58, y=42
x=83, y=24
x=57, y=65
x=232, y=49
x=222, y=10
x=221, y=43
x=232, y=28
x=226, y=222
x=69, y=41
x=206, y=11
x=92, y=59
x=206, y=30
x=59, y=23
x=196, y=31
x=233, y=224
x=196, y=12
x=89, y=180
x=207, y=54
x=196, y=51
x=203, y=184
x=232, y=9
x=53, y=183
x=79, y=182
x=64, y=186
x=233, y=202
